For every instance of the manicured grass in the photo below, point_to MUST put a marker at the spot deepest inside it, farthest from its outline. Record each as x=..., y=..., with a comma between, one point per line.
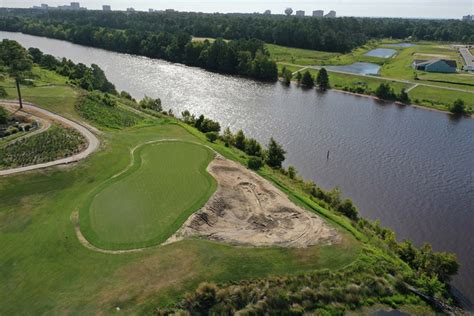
x=145, y=205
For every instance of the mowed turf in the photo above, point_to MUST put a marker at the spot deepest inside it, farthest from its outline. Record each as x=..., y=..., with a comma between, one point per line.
x=166, y=183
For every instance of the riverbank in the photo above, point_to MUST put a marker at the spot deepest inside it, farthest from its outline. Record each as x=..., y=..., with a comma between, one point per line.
x=386, y=158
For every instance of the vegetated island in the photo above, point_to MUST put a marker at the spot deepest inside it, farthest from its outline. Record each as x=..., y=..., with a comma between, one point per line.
x=340, y=263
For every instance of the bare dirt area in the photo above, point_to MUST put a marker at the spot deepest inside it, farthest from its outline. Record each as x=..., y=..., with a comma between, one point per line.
x=248, y=210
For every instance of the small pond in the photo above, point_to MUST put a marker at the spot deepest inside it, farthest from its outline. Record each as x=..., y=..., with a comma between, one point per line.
x=381, y=52
x=399, y=45
x=358, y=68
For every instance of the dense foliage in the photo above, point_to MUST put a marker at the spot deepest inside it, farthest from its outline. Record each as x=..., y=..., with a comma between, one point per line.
x=88, y=78
x=102, y=110
x=335, y=35
x=245, y=57
x=55, y=143
x=372, y=279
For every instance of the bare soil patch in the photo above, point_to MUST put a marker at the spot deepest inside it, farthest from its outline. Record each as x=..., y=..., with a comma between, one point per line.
x=248, y=210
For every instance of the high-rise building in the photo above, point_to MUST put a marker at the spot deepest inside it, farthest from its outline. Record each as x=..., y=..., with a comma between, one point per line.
x=130, y=10
x=75, y=6
x=106, y=7
x=331, y=14
x=468, y=18
x=151, y=10
x=44, y=6
x=318, y=13
x=300, y=13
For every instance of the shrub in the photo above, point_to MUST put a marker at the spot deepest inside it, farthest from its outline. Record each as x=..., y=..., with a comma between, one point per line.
x=255, y=163
x=384, y=91
x=458, y=107
x=152, y=104
x=291, y=172
x=307, y=80
x=212, y=136
x=3, y=92
x=3, y=116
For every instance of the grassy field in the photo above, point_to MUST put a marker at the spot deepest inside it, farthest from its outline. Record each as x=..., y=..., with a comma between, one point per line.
x=145, y=205
x=45, y=270
x=397, y=68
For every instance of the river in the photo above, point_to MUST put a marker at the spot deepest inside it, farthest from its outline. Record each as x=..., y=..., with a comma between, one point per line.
x=410, y=168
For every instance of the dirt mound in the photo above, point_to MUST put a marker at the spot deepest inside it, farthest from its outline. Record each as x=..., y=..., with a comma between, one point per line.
x=248, y=210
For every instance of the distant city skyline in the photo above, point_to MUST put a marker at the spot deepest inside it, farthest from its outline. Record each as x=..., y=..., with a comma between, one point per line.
x=371, y=8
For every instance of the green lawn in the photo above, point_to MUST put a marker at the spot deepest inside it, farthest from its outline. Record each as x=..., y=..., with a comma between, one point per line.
x=45, y=270
x=145, y=205
x=439, y=98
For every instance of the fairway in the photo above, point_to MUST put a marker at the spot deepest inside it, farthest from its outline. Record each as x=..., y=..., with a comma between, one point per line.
x=147, y=202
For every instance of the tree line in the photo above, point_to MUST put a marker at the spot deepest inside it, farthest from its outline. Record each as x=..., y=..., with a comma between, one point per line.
x=334, y=35
x=244, y=57
x=18, y=63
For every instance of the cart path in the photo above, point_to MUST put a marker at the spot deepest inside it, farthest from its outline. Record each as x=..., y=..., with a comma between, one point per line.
x=92, y=141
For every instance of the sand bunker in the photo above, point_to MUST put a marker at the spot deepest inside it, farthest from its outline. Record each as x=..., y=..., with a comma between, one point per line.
x=248, y=210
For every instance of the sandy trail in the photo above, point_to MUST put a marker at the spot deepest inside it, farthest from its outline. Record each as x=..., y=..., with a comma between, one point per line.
x=248, y=210
x=92, y=141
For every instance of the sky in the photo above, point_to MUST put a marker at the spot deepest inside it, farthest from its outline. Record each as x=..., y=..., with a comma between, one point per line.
x=372, y=8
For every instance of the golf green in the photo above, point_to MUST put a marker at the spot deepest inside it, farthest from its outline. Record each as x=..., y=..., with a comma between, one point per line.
x=147, y=202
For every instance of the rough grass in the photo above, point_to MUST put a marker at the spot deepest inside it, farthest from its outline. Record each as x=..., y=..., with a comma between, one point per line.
x=104, y=115
x=55, y=143
x=146, y=204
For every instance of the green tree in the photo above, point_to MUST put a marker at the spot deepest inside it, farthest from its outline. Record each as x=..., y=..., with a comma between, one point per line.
x=240, y=140
x=252, y=147
x=275, y=154
x=255, y=163
x=17, y=61
x=228, y=137
x=299, y=77
x=385, y=92
x=322, y=80
x=212, y=136
x=403, y=97
x=286, y=75
x=292, y=172
x=152, y=104
x=307, y=79
x=458, y=107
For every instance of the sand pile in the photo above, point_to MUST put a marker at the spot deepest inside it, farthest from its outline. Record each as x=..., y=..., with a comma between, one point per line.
x=248, y=210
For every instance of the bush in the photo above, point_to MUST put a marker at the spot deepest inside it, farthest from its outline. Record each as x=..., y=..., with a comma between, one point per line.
x=212, y=136
x=458, y=107
x=151, y=104
x=385, y=92
x=3, y=92
x=291, y=172
x=4, y=116
x=255, y=163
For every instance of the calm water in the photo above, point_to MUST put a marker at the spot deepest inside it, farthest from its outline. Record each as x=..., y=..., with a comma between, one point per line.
x=411, y=168
x=381, y=52
x=358, y=68
x=399, y=45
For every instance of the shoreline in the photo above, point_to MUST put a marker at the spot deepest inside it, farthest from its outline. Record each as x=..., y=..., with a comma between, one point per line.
x=427, y=108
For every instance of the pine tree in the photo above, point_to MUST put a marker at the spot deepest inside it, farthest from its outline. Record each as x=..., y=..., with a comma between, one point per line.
x=322, y=80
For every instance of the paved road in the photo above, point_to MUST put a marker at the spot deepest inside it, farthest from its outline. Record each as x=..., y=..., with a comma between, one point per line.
x=92, y=140
x=468, y=58
x=385, y=78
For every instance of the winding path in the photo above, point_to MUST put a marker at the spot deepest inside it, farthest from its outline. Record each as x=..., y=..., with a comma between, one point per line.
x=92, y=141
